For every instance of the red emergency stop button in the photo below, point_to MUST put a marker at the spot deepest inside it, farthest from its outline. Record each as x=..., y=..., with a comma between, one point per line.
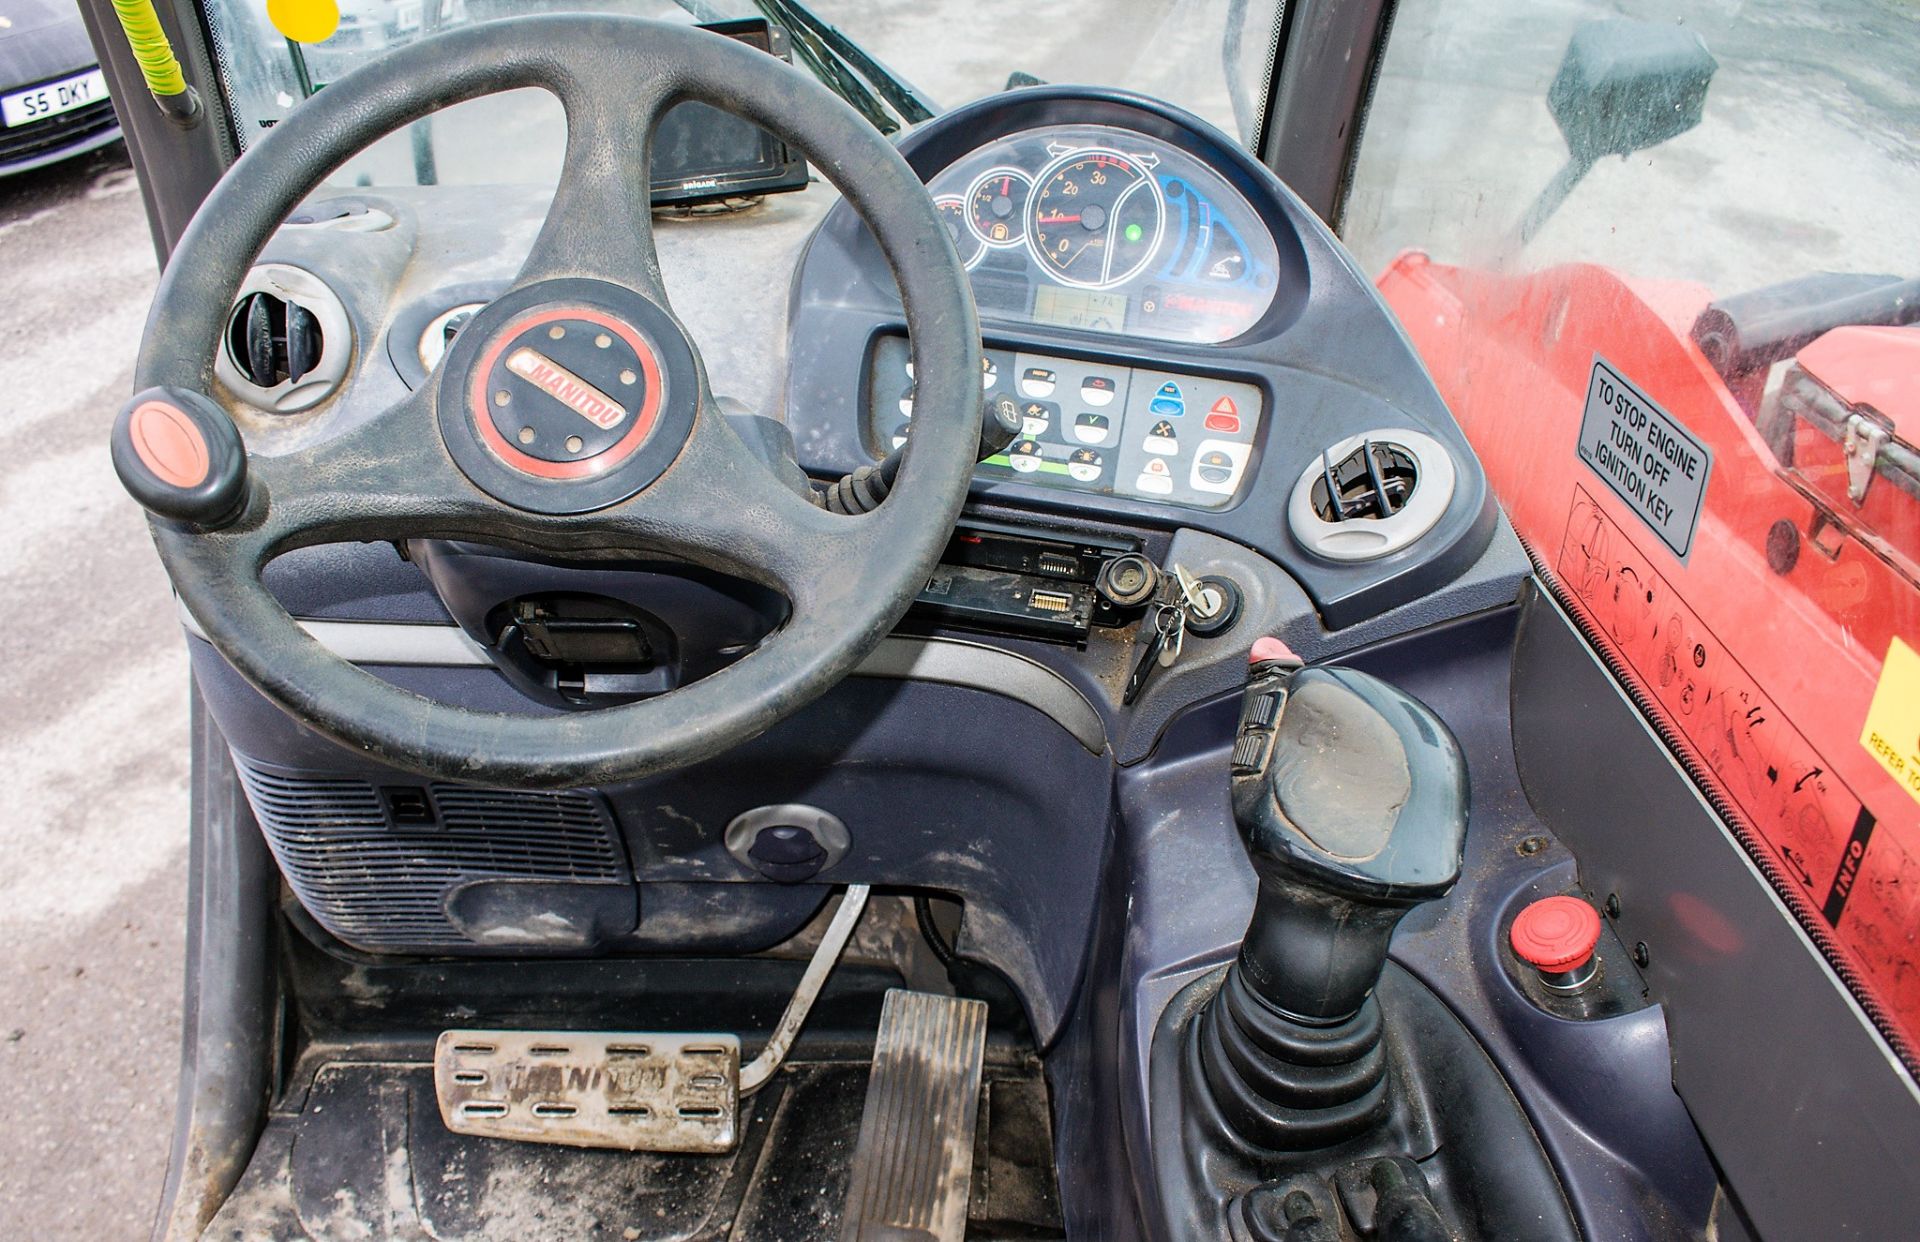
x=1557, y=935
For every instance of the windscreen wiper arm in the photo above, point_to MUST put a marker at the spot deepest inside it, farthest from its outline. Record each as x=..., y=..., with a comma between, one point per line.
x=841, y=64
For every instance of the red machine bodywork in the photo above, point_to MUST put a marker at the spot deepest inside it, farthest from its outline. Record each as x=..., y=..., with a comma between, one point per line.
x=1760, y=677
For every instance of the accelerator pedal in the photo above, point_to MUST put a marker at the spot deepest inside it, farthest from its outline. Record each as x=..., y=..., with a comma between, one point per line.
x=638, y=1091
x=913, y=1165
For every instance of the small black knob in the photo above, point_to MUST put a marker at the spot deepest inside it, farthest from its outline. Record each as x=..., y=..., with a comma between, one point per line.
x=1128, y=580
x=1000, y=425
x=787, y=853
x=178, y=454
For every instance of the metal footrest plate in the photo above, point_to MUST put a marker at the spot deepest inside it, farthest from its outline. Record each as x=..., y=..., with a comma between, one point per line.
x=913, y=1166
x=636, y=1091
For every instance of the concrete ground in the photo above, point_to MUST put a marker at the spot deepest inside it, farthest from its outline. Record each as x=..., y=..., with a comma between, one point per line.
x=93, y=728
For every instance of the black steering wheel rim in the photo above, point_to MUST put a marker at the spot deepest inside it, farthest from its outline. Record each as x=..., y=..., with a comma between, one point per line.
x=848, y=579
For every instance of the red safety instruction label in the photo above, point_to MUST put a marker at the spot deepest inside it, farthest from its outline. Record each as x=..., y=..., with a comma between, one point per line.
x=1862, y=885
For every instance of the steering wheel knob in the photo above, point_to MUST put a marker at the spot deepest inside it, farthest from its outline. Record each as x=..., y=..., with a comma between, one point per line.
x=180, y=456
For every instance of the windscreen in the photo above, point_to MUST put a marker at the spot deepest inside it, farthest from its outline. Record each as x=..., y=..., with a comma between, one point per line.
x=1211, y=56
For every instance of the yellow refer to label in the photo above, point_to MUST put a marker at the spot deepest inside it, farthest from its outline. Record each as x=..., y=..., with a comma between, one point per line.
x=304, y=21
x=1892, y=732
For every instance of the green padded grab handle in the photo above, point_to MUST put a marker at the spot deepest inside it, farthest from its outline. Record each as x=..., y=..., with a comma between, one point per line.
x=158, y=65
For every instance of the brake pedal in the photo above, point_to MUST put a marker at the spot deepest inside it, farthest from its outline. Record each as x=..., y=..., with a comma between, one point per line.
x=639, y=1091
x=913, y=1164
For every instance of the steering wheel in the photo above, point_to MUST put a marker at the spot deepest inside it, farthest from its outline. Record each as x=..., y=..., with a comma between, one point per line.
x=571, y=418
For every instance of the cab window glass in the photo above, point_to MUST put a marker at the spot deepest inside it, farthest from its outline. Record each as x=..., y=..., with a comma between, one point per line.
x=1211, y=56
x=1662, y=261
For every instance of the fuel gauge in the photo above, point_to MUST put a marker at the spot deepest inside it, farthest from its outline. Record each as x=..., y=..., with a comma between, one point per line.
x=997, y=206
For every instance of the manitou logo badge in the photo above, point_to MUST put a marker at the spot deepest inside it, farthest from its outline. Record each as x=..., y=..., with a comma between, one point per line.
x=566, y=388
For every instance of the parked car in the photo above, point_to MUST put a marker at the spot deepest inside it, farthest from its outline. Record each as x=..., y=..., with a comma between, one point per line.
x=53, y=97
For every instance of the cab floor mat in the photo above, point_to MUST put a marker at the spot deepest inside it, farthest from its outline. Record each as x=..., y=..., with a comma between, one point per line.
x=364, y=1155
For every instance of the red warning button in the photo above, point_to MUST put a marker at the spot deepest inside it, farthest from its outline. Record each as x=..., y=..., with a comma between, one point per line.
x=1224, y=416
x=1556, y=934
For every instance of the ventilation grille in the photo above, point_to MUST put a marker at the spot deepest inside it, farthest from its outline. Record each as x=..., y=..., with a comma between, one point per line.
x=1372, y=482
x=374, y=865
x=274, y=341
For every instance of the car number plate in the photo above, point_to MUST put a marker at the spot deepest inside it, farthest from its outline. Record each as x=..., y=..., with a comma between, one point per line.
x=53, y=98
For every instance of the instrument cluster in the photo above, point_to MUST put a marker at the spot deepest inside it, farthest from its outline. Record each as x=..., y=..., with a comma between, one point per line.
x=1107, y=230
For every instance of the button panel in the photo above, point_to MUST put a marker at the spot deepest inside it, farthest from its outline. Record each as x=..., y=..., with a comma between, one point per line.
x=1097, y=427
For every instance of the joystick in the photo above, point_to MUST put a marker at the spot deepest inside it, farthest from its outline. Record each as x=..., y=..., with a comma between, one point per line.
x=1351, y=799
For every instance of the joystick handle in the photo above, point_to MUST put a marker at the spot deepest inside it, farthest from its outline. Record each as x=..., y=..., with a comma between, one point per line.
x=1351, y=798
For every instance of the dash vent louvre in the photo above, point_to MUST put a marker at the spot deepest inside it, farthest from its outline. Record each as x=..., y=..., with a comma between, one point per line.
x=1374, y=481
x=1371, y=494
x=288, y=340
x=274, y=341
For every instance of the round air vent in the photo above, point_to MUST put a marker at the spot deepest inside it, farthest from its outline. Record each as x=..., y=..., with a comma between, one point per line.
x=1371, y=494
x=288, y=340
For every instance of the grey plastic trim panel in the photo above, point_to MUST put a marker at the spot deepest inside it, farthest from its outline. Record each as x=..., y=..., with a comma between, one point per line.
x=398, y=643
x=947, y=661
x=977, y=666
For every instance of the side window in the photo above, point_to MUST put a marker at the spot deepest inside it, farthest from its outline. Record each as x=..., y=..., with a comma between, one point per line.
x=1663, y=261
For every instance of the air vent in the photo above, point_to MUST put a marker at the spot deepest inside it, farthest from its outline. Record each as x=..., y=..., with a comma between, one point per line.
x=1371, y=495
x=1372, y=482
x=430, y=867
x=274, y=341
x=288, y=340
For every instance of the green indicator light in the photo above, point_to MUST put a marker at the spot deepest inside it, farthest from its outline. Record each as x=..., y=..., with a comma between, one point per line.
x=1133, y=232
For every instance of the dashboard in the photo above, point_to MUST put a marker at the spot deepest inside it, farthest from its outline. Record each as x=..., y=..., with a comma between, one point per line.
x=1188, y=346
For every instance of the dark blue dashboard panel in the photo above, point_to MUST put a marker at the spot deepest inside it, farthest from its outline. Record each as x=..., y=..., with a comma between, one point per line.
x=1299, y=331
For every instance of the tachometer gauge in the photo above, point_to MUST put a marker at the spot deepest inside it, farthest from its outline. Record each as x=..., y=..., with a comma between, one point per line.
x=1095, y=218
x=953, y=213
x=997, y=206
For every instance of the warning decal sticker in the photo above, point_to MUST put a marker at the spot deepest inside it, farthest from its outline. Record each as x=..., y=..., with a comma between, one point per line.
x=1862, y=884
x=1892, y=732
x=1645, y=455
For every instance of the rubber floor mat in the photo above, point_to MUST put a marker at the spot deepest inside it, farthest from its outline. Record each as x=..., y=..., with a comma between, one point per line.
x=366, y=1156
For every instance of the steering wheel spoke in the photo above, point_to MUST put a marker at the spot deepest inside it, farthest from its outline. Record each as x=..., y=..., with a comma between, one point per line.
x=724, y=508
x=600, y=223
x=386, y=479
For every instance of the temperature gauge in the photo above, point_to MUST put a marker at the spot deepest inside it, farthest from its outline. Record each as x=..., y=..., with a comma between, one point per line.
x=953, y=214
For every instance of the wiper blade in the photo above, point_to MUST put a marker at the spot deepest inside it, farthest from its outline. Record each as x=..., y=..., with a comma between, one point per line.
x=841, y=63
